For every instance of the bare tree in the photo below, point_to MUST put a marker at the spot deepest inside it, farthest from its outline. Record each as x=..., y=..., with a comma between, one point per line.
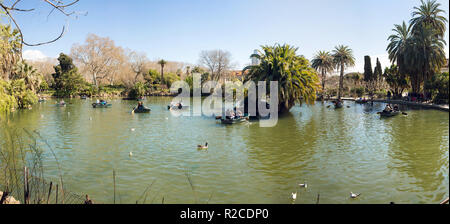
x=139, y=63
x=217, y=61
x=99, y=57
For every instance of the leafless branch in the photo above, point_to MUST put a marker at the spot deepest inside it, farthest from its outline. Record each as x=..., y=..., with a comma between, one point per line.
x=55, y=5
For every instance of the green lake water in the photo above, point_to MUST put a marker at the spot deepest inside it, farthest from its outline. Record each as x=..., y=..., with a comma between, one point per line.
x=404, y=159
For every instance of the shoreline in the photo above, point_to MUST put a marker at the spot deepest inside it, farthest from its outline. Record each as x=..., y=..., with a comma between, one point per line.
x=402, y=102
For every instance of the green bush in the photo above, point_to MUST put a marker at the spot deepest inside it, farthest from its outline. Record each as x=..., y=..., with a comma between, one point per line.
x=7, y=101
x=138, y=90
x=380, y=94
x=170, y=78
x=438, y=86
x=358, y=91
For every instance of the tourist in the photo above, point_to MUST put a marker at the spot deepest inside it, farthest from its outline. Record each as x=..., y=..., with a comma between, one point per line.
x=388, y=108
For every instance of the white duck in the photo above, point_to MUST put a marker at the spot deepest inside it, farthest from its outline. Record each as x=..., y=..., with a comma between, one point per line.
x=353, y=195
x=130, y=154
x=305, y=185
x=133, y=129
x=294, y=196
x=203, y=146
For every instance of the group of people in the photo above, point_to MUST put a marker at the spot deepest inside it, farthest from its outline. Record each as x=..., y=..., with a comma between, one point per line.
x=102, y=102
x=233, y=114
x=389, y=108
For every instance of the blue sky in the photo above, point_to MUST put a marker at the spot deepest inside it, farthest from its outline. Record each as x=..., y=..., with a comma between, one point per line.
x=178, y=30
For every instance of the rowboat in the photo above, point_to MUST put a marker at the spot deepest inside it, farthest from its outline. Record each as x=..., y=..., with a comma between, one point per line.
x=142, y=110
x=178, y=106
x=338, y=105
x=234, y=120
x=389, y=114
x=100, y=105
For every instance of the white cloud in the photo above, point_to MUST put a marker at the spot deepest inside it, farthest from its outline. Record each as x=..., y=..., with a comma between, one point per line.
x=34, y=55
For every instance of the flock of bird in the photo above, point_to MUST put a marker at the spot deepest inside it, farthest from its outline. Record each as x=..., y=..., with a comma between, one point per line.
x=305, y=185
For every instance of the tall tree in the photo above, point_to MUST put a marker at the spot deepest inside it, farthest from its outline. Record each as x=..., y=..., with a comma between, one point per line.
x=217, y=61
x=398, y=44
x=296, y=78
x=425, y=55
x=429, y=14
x=99, y=56
x=343, y=57
x=378, y=74
x=369, y=76
x=67, y=80
x=162, y=63
x=139, y=63
x=323, y=62
x=10, y=50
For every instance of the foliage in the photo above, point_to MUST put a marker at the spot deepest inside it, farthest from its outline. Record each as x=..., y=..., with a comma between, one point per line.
x=296, y=78
x=25, y=71
x=10, y=49
x=397, y=82
x=152, y=77
x=7, y=101
x=438, y=86
x=418, y=49
x=25, y=97
x=378, y=73
x=323, y=63
x=358, y=91
x=343, y=57
x=138, y=90
x=162, y=63
x=170, y=78
x=68, y=81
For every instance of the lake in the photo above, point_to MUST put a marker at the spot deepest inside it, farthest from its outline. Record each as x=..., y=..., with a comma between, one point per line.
x=404, y=159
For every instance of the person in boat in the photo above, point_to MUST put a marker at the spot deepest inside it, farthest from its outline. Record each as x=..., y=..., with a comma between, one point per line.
x=140, y=105
x=98, y=101
x=62, y=102
x=102, y=102
x=388, y=108
x=396, y=107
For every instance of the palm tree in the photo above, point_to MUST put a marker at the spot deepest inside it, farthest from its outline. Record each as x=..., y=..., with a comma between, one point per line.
x=342, y=57
x=425, y=55
x=398, y=43
x=29, y=74
x=296, y=78
x=323, y=62
x=162, y=63
x=429, y=14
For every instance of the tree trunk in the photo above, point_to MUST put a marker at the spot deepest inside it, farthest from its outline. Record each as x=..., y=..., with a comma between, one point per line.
x=162, y=74
x=341, y=81
x=94, y=79
x=323, y=80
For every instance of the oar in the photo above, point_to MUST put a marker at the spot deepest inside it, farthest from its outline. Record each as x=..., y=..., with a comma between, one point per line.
x=133, y=110
x=404, y=113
